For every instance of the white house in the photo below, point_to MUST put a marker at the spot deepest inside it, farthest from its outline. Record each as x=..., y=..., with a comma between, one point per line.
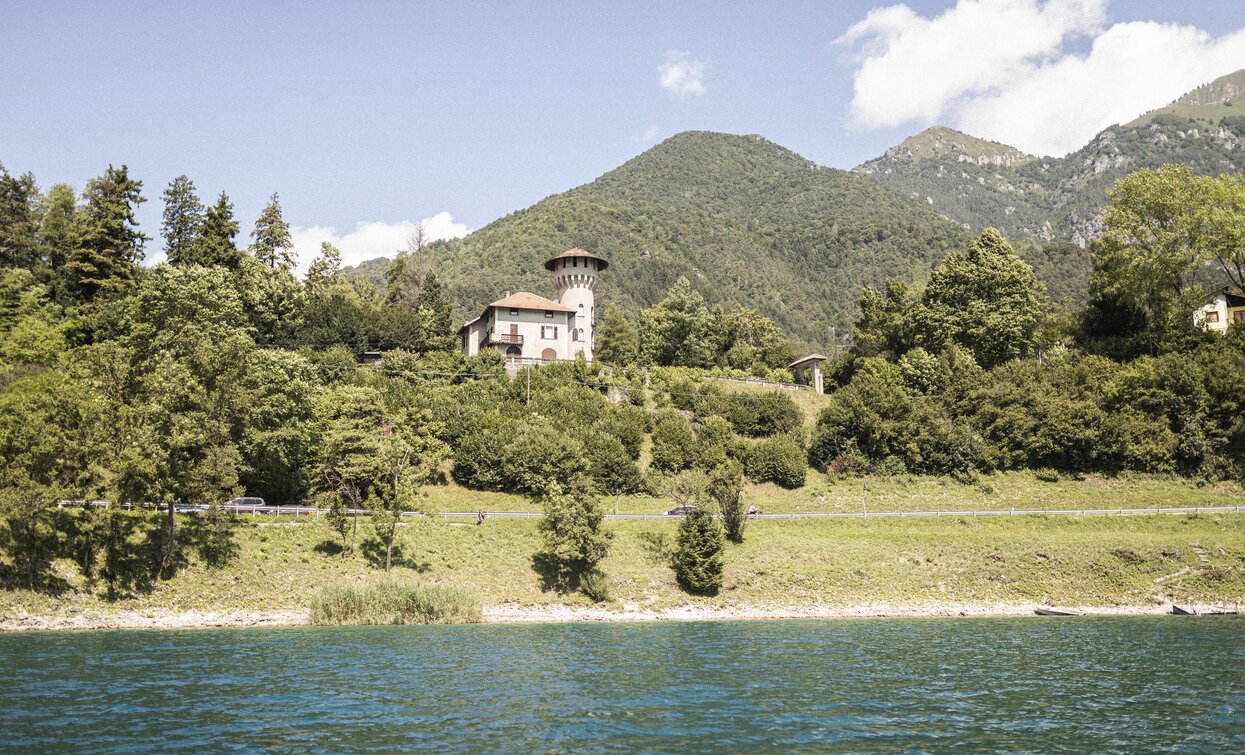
x=528, y=327
x=1224, y=309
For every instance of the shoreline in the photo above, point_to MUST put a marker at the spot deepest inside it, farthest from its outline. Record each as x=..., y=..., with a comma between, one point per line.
x=564, y=614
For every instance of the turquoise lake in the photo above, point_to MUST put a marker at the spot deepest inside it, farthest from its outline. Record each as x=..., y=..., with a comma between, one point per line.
x=1145, y=684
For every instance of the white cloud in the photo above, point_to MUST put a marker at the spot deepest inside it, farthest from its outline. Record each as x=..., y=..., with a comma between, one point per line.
x=681, y=74
x=369, y=240
x=1001, y=69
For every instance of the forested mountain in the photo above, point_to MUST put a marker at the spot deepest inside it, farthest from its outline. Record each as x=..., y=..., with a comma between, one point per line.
x=981, y=183
x=746, y=221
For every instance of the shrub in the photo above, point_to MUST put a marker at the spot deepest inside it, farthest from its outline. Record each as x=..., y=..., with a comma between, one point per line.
x=595, y=585
x=763, y=415
x=673, y=442
x=394, y=601
x=697, y=557
x=612, y=469
x=780, y=460
x=1046, y=474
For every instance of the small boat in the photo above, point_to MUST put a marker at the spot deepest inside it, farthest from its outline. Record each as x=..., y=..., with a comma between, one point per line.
x=1178, y=611
x=1042, y=611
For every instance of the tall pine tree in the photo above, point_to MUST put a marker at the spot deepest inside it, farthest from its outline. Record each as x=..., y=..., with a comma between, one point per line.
x=273, y=245
x=216, y=245
x=110, y=246
x=183, y=221
x=18, y=220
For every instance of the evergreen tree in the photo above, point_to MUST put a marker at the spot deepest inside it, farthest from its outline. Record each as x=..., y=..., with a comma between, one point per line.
x=697, y=560
x=435, y=313
x=58, y=230
x=18, y=220
x=985, y=299
x=726, y=487
x=216, y=244
x=183, y=221
x=110, y=246
x=273, y=245
x=616, y=340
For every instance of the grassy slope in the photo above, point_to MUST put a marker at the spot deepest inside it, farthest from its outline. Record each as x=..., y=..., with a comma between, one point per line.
x=1080, y=560
x=1012, y=490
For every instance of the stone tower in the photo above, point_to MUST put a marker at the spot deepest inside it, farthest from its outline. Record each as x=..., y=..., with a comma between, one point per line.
x=575, y=276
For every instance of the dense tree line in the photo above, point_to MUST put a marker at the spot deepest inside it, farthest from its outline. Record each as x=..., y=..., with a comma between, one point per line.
x=219, y=372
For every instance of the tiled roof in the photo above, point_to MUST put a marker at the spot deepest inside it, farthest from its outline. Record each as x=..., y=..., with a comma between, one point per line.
x=577, y=252
x=524, y=300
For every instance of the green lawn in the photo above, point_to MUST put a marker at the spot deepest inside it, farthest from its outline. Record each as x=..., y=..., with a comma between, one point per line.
x=1093, y=560
x=1011, y=490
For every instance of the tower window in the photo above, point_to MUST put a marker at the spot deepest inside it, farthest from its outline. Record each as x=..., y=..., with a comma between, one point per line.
x=574, y=262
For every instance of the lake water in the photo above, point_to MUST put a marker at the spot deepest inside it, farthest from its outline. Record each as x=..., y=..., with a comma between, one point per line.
x=877, y=685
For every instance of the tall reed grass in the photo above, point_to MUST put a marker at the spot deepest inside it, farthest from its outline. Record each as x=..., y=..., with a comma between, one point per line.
x=394, y=601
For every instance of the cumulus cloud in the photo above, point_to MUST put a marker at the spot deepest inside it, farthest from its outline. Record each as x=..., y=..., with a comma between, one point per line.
x=369, y=240
x=681, y=74
x=1002, y=69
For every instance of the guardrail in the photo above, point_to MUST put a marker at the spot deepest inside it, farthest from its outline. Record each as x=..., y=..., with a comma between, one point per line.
x=1118, y=511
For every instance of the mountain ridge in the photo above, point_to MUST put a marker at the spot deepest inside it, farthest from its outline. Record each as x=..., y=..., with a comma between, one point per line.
x=1061, y=199
x=748, y=222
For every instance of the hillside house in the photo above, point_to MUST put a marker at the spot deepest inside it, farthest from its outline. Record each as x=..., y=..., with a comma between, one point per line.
x=1225, y=309
x=527, y=328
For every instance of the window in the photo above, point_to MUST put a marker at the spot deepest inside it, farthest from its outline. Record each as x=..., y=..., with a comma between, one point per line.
x=514, y=313
x=549, y=332
x=1238, y=315
x=1212, y=317
x=574, y=262
x=575, y=335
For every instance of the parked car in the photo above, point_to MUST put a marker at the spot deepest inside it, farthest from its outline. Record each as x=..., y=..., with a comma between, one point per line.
x=246, y=501
x=682, y=510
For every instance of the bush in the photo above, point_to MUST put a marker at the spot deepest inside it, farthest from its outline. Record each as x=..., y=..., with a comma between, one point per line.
x=673, y=442
x=780, y=460
x=1046, y=474
x=394, y=601
x=596, y=586
x=612, y=469
x=763, y=415
x=697, y=557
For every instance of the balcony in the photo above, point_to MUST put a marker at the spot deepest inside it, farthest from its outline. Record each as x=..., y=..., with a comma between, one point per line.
x=502, y=338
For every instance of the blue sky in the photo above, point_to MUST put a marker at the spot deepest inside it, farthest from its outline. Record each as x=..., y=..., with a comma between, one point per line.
x=370, y=116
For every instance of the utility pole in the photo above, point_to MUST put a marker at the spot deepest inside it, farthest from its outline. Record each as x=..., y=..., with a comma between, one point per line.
x=529, y=385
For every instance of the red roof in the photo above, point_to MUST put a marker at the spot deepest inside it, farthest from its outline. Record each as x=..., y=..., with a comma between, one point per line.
x=577, y=252
x=524, y=300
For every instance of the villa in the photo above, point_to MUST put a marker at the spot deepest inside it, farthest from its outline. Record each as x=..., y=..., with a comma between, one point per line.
x=1224, y=309
x=530, y=328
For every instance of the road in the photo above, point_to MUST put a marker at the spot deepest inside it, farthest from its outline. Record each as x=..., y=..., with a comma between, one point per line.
x=305, y=511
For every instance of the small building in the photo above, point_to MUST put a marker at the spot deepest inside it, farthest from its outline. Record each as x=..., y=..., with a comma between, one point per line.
x=530, y=328
x=807, y=371
x=1225, y=309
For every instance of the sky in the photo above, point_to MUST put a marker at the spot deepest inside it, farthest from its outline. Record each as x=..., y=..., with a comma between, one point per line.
x=371, y=117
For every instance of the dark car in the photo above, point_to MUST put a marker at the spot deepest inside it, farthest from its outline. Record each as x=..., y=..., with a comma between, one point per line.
x=682, y=510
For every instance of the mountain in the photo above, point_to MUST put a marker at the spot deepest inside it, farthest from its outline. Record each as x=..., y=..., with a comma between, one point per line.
x=746, y=221
x=980, y=183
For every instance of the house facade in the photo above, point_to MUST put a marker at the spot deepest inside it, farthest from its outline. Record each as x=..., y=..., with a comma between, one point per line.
x=527, y=328
x=1224, y=309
